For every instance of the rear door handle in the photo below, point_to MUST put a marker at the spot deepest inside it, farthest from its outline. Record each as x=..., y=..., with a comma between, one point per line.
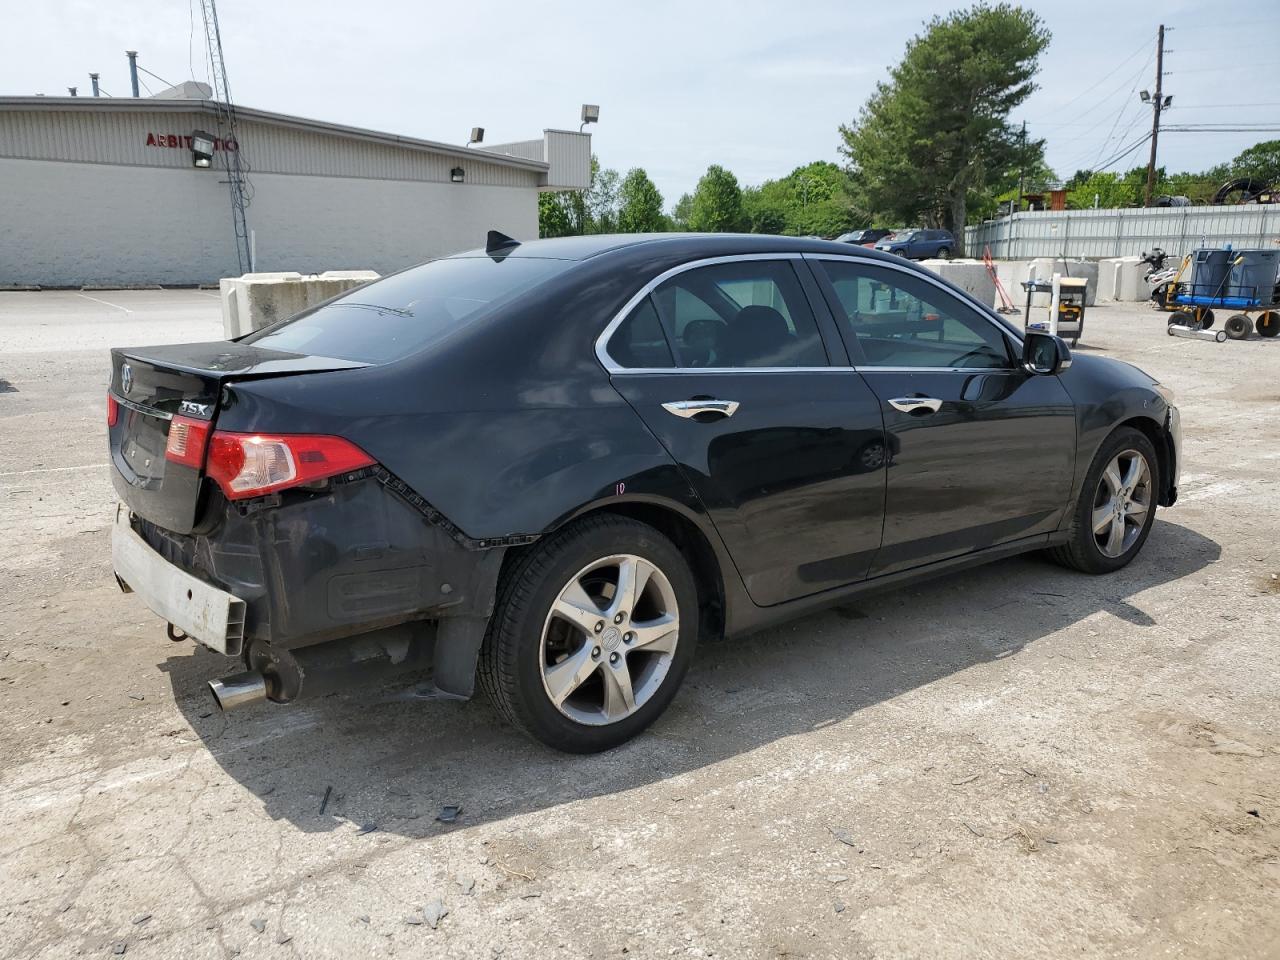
x=691, y=408
x=920, y=405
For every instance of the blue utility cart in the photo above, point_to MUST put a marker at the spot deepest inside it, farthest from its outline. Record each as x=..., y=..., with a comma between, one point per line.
x=1244, y=281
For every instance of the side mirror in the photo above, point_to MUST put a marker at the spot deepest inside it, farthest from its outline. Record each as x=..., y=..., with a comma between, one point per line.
x=1045, y=354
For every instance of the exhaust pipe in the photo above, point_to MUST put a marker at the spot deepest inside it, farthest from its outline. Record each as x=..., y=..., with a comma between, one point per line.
x=239, y=690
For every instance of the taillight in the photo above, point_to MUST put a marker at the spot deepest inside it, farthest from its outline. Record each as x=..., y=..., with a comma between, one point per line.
x=186, y=441
x=251, y=464
x=113, y=411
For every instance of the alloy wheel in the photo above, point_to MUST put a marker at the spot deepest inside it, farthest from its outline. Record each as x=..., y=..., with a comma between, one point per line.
x=609, y=639
x=1121, y=503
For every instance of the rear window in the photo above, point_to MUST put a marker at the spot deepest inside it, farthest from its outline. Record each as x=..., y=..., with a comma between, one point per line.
x=392, y=318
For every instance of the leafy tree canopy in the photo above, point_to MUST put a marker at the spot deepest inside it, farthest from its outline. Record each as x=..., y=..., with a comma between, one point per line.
x=640, y=204
x=717, y=202
x=1262, y=161
x=938, y=131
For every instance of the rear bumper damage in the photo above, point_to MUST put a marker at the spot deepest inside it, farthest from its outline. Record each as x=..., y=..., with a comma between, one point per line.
x=319, y=586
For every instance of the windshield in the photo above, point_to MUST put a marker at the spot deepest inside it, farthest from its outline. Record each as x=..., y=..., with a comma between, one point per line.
x=390, y=319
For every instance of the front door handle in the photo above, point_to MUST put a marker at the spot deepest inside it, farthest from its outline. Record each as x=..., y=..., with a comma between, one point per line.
x=691, y=408
x=919, y=405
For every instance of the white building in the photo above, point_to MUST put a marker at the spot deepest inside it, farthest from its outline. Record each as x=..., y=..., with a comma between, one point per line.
x=100, y=191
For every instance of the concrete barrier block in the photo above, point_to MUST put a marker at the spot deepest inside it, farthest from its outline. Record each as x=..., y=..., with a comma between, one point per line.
x=1117, y=276
x=1131, y=279
x=256, y=300
x=969, y=275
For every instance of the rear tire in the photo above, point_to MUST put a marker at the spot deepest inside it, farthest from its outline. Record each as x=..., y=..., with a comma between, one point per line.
x=532, y=648
x=1113, y=515
x=1268, y=323
x=944, y=253
x=1238, y=327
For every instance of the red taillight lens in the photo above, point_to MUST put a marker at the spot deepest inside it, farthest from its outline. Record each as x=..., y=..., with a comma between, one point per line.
x=186, y=441
x=251, y=464
x=113, y=411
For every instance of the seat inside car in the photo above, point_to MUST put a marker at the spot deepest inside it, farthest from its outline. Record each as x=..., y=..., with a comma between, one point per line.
x=757, y=335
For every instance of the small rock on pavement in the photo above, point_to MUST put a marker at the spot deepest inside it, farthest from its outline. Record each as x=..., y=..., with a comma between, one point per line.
x=141, y=918
x=434, y=912
x=119, y=948
x=258, y=924
x=839, y=908
x=449, y=813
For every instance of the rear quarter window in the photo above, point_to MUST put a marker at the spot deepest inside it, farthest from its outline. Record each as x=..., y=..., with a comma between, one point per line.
x=409, y=311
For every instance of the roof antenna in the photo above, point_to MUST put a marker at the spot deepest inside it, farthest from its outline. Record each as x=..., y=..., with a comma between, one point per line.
x=497, y=242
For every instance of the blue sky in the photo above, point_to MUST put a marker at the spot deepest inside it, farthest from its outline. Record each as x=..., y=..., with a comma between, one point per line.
x=759, y=87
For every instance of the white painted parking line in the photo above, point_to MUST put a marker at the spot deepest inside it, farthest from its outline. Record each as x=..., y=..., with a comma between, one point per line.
x=104, y=302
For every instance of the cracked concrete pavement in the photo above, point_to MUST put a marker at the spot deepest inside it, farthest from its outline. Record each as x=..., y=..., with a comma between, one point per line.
x=1013, y=761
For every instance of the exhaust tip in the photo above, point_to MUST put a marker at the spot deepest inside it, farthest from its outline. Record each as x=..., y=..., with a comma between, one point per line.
x=239, y=690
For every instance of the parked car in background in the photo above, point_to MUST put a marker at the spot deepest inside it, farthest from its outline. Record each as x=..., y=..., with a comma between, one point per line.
x=919, y=244
x=549, y=469
x=863, y=238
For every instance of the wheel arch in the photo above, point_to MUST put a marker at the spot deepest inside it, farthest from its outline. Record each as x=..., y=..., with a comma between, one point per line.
x=706, y=561
x=1155, y=432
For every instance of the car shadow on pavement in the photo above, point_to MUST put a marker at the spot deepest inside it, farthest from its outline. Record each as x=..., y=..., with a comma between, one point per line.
x=381, y=757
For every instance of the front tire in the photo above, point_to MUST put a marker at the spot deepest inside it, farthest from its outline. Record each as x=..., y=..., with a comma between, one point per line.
x=1117, y=505
x=592, y=634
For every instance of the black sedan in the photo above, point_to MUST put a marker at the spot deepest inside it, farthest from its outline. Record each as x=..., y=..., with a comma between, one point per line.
x=555, y=466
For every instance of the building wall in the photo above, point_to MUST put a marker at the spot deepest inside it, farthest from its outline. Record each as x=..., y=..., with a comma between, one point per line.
x=84, y=199
x=72, y=224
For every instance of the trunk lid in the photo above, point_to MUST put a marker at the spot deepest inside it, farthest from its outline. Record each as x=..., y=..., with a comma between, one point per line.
x=151, y=386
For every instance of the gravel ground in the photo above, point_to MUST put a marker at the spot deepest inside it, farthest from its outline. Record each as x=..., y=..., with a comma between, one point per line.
x=1013, y=761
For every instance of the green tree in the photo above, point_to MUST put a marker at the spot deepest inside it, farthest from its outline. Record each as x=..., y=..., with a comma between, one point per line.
x=575, y=212
x=1110, y=188
x=681, y=212
x=640, y=204
x=717, y=202
x=1261, y=161
x=553, y=216
x=602, y=200
x=765, y=208
x=937, y=134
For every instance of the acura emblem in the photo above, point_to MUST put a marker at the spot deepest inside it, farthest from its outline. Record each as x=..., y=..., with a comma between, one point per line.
x=126, y=378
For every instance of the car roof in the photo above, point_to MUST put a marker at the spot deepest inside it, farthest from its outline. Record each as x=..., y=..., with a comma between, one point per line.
x=691, y=244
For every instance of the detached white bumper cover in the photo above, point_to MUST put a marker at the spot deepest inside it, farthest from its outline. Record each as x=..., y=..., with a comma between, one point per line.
x=204, y=613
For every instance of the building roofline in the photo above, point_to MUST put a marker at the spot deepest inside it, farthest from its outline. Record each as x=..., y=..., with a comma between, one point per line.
x=148, y=104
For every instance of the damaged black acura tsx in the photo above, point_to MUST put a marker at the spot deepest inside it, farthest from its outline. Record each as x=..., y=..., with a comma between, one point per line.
x=552, y=467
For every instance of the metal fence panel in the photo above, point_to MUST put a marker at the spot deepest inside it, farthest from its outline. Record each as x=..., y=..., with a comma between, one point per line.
x=1124, y=232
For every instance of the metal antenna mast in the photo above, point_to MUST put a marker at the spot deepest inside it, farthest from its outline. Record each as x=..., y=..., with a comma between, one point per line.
x=227, y=121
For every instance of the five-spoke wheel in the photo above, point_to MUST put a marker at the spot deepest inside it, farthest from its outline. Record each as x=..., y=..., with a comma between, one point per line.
x=592, y=634
x=609, y=639
x=1116, y=506
x=1121, y=503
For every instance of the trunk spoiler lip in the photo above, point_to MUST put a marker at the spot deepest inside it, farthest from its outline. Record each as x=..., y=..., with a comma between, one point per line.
x=280, y=364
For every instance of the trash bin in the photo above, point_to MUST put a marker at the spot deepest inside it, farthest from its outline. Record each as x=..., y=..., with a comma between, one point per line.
x=1210, y=273
x=1253, y=275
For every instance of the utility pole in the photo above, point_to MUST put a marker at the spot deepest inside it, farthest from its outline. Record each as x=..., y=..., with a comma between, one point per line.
x=1157, y=104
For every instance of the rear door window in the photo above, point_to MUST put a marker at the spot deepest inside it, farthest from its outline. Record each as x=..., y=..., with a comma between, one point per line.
x=406, y=312
x=747, y=313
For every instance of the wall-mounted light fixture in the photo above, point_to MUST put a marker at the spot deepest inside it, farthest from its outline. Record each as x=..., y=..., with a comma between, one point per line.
x=590, y=114
x=477, y=136
x=457, y=174
x=201, y=149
